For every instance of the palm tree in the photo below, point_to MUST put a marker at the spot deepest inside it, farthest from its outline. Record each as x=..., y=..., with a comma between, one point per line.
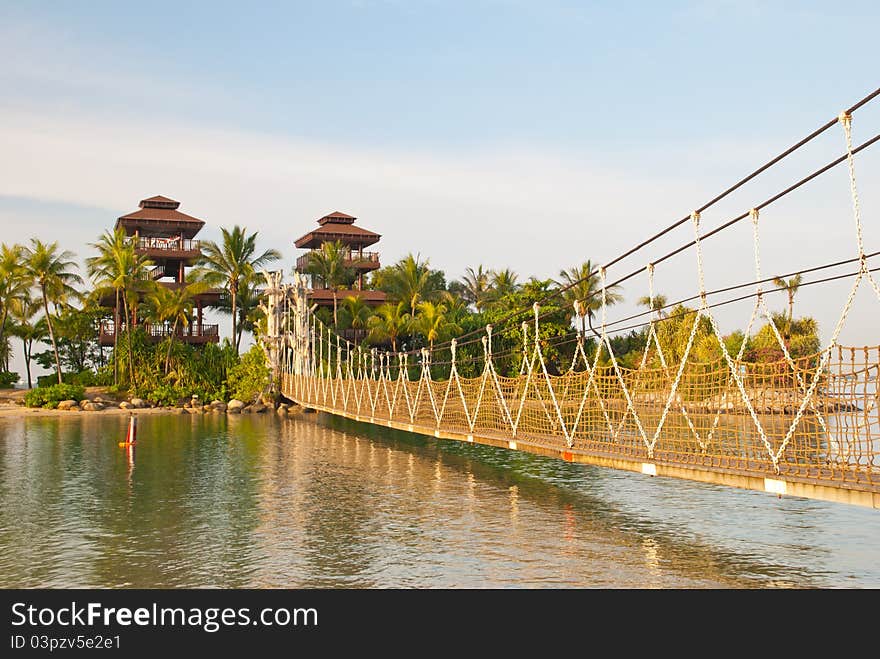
x=52, y=272
x=357, y=312
x=329, y=265
x=411, y=281
x=791, y=288
x=174, y=306
x=232, y=261
x=118, y=267
x=432, y=322
x=501, y=283
x=248, y=303
x=656, y=304
x=584, y=292
x=390, y=321
x=476, y=285
x=13, y=281
x=23, y=310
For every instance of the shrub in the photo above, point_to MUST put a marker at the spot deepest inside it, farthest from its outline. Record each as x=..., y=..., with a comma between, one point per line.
x=166, y=395
x=49, y=397
x=83, y=378
x=250, y=377
x=7, y=379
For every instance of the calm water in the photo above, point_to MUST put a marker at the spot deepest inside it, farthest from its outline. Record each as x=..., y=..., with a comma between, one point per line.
x=316, y=502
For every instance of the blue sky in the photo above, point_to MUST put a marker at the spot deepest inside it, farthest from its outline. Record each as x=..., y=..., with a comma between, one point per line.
x=521, y=134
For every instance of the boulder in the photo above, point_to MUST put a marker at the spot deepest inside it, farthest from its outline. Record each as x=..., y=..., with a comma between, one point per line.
x=246, y=409
x=235, y=404
x=92, y=407
x=125, y=405
x=281, y=411
x=67, y=404
x=194, y=410
x=178, y=410
x=233, y=410
x=258, y=408
x=138, y=403
x=218, y=406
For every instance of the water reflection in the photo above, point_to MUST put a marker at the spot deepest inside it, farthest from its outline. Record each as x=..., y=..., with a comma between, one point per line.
x=256, y=501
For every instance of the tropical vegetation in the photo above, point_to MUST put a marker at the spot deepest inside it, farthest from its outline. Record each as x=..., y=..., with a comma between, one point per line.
x=57, y=318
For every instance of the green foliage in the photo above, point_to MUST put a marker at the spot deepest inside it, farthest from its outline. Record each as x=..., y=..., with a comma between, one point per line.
x=410, y=280
x=83, y=378
x=49, y=397
x=250, y=377
x=801, y=338
x=168, y=395
x=8, y=378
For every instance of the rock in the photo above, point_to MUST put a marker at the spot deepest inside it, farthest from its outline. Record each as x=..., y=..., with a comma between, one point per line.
x=178, y=410
x=194, y=410
x=235, y=404
x=258, y=408
x=125, y=405
x=138, y=403
x=219, y=406
x=246, y=409
x=281, y=411
x=92, y=407
x=67, y=404
x=233, y=410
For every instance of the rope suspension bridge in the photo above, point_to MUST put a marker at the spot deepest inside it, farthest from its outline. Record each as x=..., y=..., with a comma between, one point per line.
x=804, y=425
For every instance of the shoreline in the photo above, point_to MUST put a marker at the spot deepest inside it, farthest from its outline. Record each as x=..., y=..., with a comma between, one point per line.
x=18, y=411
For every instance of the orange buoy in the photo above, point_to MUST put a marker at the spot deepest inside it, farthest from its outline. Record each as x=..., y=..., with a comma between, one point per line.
x=131, y=437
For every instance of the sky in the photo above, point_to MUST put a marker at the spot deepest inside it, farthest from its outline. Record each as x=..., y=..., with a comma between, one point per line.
x=528, y=135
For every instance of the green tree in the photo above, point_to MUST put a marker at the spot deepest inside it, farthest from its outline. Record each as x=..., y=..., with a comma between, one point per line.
x=802, y=339
x=583, y=292
x=248, y=307
x=432, y=322
x=476, y=287
x=502, y=283
x=173, y=306
x=329, y=264
x=52, y=271
x=791, y=288
x=119, y=268
x=14, y=282
x=411, y=280
x=235, y=259
x=656, y=304
x=22, y=311
x=356, y=313
x=389, y=323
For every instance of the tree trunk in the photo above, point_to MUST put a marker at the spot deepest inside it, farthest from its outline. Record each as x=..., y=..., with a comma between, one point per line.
x=170, y=344
x=335, y=322
x=116, y=342
x=3, y=329
x=233, y=292
x=27, y=361
x=790, y=308
x=128, y=329
x=51, y=333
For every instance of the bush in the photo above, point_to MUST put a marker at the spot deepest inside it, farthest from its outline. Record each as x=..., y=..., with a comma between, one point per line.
x=83, y=378
x=250, y=377
x=7, y=379
x=49, y=397
x=166, y=395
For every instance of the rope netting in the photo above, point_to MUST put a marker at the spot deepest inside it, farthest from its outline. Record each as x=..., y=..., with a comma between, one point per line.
x=812, y=417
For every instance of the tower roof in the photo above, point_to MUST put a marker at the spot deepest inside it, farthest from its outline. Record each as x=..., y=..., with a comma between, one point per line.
x=158, y=216
x=337, y=218
x=337, y=226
